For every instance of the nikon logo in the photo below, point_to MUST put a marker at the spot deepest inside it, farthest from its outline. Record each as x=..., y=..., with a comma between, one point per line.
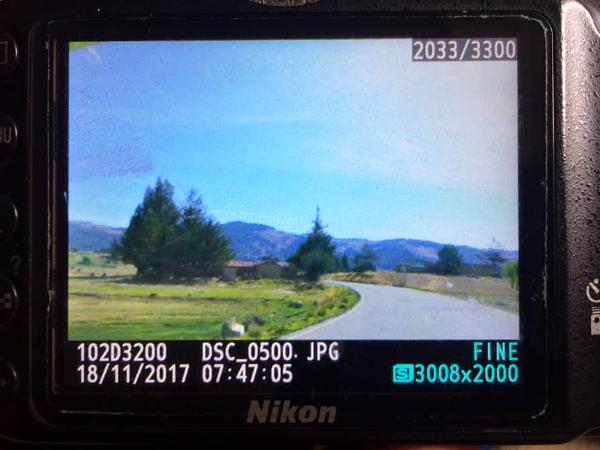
x=277, y=411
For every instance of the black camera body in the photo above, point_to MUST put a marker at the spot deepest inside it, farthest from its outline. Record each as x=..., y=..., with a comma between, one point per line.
x=537, y=385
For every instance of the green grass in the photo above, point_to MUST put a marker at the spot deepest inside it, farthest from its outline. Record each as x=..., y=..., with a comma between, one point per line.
x=99, y=265
x=118, y=306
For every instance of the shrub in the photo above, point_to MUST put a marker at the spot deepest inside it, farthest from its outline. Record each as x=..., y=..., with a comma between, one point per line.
x=365, y=260
x=449, y=260
x=510, y=270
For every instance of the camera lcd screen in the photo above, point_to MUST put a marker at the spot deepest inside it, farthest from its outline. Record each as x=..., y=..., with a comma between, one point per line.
x=306, y=189
x=289, y=212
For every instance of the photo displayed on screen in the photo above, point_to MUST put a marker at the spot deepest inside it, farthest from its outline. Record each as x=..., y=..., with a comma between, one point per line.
x=290, y=189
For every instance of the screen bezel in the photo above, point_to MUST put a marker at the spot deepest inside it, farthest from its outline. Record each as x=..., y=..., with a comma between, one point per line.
x=512, y=406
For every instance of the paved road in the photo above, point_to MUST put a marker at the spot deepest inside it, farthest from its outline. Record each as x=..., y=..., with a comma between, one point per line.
x=386, y=312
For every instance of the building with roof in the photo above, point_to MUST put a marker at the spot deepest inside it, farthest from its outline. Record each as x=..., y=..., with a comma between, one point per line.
x=253, y=270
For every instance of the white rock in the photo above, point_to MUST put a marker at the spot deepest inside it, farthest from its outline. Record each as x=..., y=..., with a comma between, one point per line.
x=232, y=329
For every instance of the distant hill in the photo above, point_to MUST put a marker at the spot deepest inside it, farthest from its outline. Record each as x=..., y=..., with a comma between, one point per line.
x=251, y=242
x=88, y=237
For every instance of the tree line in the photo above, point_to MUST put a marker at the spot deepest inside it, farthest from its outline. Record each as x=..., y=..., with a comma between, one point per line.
x=450, y=262
x=166, y=240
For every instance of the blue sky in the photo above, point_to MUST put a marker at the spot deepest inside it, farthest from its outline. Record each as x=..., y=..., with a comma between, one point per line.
x=267, y=130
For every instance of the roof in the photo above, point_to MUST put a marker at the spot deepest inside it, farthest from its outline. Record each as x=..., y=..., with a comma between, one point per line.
x=281, y=264
x=235, y=263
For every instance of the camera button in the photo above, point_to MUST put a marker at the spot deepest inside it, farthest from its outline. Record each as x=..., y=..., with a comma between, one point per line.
x=8, y=137
x=9, y=54
x=9, y=300
x=8, y=218
x=9, y=382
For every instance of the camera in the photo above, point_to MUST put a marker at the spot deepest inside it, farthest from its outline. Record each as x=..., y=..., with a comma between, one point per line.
x=328, y=221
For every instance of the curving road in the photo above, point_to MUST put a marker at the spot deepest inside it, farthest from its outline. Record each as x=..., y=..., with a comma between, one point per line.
x=387, y=312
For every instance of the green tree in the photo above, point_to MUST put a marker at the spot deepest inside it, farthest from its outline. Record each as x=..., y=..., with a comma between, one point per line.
x=164, y=240
x=316, y=255
x=449, y=260
x=202, y=248
x=493, y=258
x=344, y=263
x=365, y=260
x=316, y=262
x=149, y=242
x=510, y=270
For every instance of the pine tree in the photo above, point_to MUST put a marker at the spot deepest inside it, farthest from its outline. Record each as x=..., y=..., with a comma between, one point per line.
x=203, y=248
x=149, y=241
x=316, y=255
x=163, y=240
x=344, y=263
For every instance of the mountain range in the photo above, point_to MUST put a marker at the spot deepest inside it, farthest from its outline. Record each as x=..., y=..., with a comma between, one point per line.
x=252, y=242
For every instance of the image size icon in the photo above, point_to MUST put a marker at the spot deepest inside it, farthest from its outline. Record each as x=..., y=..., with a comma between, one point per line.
x=403, y=373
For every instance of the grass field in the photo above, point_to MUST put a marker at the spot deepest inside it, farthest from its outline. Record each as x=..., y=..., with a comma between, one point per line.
x=107, y=302
x=494, y=292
